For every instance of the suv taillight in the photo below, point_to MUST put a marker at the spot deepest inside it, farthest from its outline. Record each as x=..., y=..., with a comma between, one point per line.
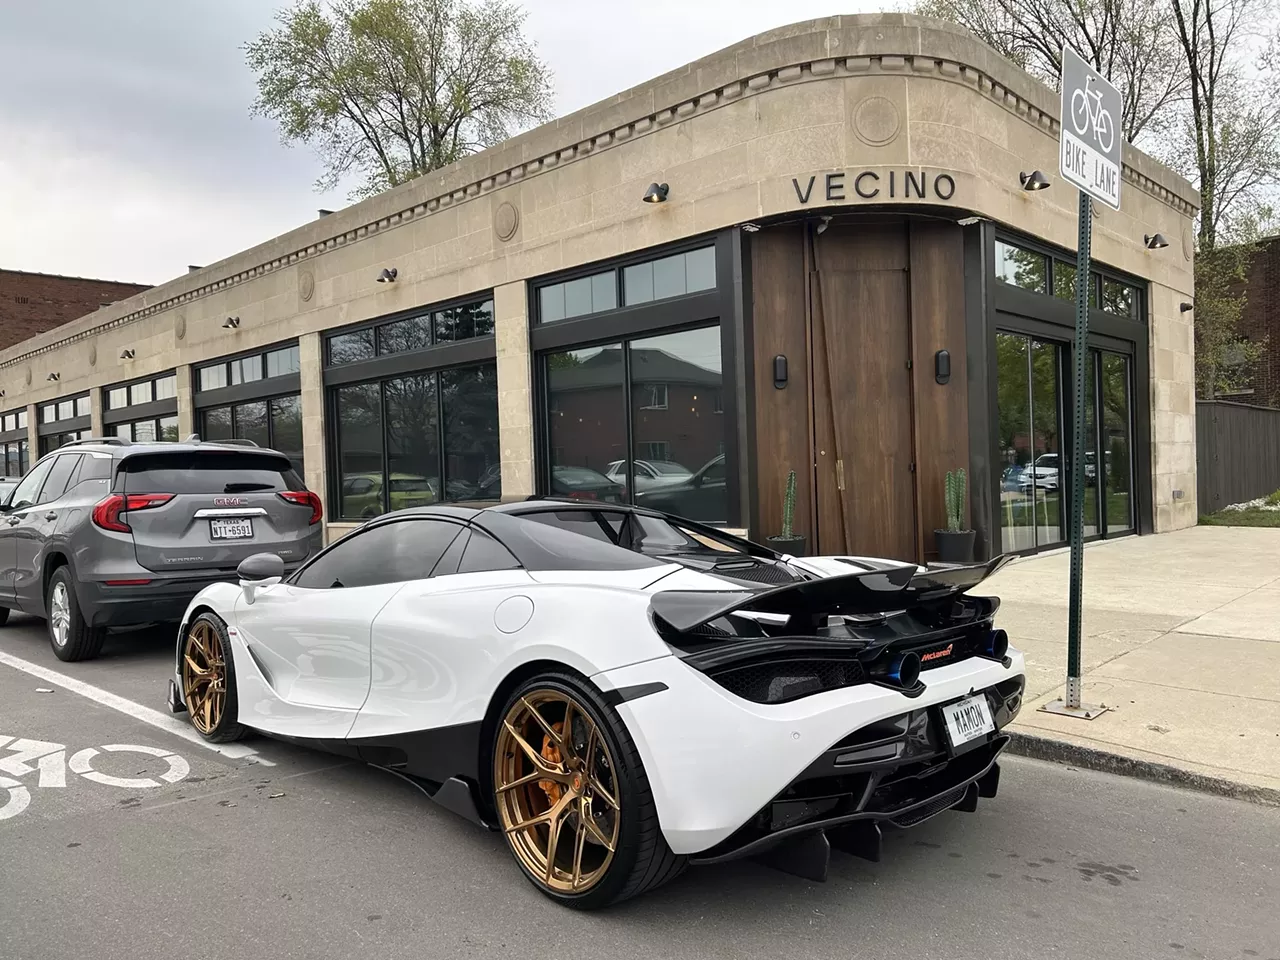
x=305, y=498
x=106, y=513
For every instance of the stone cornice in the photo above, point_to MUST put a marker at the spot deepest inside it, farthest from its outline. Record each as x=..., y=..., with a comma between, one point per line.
x=866, y=45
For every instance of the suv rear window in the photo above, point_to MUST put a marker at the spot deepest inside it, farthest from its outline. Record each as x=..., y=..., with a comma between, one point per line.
x=210, y=471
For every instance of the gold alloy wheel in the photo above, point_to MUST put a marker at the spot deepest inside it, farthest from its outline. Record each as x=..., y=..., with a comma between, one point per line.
x=557, y=791
x=204, y=676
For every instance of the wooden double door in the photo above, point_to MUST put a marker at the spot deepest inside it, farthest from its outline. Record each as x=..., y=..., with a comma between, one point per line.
x=860, y=313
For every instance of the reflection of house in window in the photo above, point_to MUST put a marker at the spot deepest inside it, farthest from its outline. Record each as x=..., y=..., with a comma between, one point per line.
x=655, y=450
x=1237, y=370
x=653, y=396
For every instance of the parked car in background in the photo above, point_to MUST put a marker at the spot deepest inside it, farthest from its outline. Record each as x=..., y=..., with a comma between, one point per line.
x=362, y=493
x=104, y=533
x=7, y=486
x=649, y=473
x=585, y=484
x=702, y=495
x=1043, y=474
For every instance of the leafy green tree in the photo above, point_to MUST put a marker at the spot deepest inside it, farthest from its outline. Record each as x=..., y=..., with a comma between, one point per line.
x=391, y=89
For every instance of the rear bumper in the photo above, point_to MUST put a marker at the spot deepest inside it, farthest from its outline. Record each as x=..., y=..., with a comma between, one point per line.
x=160, y=601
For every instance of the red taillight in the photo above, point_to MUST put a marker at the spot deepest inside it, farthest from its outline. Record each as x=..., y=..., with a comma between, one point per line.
x=305, y=498
x=106, y=513
x=582, y=495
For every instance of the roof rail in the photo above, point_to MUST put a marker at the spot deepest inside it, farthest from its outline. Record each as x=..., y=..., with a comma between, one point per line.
x=116, y=441
x=236, y=442
x=192, y=438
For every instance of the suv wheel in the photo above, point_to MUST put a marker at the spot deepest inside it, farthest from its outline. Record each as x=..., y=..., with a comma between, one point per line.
x=4, y=616
x=71, y=636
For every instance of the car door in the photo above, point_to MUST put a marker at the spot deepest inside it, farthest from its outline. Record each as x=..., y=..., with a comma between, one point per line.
x=35, y=525
x=310, y=637
x=435, y=648
x=24, y=497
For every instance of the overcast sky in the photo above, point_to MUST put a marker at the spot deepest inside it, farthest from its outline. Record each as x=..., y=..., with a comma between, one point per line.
x=126, y=147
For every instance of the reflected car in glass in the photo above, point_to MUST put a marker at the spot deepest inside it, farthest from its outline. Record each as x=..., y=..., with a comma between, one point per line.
x=649, y=474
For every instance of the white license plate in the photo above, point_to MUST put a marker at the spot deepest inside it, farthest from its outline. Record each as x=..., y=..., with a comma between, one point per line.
x=967, y=720
x=231, y=529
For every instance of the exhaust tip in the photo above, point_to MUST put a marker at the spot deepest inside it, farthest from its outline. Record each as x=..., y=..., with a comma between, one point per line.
x=905, y=670
x=997, y=644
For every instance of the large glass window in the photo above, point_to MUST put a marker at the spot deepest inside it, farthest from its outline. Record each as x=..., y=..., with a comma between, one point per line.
x=16, y=457
x=149, y=431
x=663, y=389
x=417, y=439
x=671, y=276
x=278, y=362
x=274, y=423
x=577, y=298
x=1021, y=267
x=164, y=387
x=49, y=444
x=14, y=421
x=466, y=321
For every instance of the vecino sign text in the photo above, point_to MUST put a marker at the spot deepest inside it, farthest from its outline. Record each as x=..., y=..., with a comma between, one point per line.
x=871, y=185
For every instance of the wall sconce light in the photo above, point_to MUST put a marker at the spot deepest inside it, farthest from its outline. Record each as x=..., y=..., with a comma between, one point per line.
x=1035, y=180
x=388, y=275
x=1155, y=241
x=231, y=323
x=126, y=354
x=1, y=394
x=822, y=227
x=1184, y=306
x=53, y=377
x=657, y=193
x=751, y=228
x=779, y=372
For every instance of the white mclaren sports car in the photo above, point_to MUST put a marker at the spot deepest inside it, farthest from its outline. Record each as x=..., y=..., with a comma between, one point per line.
x=618, y=692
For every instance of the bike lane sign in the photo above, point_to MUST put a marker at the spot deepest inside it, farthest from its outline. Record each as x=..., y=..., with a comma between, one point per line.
x=1089, y=151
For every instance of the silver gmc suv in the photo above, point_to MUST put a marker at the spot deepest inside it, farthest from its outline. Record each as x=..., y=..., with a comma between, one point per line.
x=106, y=533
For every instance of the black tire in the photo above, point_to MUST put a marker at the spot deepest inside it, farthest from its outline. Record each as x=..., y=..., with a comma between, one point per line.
x=82, y=641
x=642, y=861
x=227, y=726
x=4, y=616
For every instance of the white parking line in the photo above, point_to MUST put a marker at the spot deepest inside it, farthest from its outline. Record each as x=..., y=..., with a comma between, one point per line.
x=162, y=721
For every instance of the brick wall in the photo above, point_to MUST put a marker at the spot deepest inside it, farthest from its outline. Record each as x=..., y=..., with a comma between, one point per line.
x=31, y=303
x=1262, y=319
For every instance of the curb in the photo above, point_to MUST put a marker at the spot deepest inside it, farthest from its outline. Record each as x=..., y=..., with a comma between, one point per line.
x=1058, y=751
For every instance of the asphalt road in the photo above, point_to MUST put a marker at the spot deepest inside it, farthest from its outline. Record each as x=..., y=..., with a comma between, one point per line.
x=315, y=857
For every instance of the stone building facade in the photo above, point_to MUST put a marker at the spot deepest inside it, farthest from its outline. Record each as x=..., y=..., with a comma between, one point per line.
x=843, y=208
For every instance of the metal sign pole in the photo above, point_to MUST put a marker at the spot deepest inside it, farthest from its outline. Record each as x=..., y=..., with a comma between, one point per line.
x=1076, y=586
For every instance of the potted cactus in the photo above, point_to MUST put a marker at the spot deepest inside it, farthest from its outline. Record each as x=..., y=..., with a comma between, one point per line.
x=788, y=542
x=955, y=543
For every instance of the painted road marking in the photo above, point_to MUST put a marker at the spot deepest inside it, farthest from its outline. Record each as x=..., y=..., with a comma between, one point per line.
x=165, y=722
x=52, y=764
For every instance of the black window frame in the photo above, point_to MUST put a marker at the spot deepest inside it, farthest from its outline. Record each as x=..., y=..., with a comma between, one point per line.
x=992, y=307
x=333, y=443
x=22, y=447
x=137, y=412
x=263, y=388
x=111, y=429
x=437, y=356
x=722, y=305
x=74, y=424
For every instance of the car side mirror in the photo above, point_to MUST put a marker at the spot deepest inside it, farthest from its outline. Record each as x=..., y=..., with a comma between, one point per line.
x=259, y=570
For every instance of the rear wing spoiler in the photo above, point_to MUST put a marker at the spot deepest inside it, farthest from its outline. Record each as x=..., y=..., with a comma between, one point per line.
x=875, y=591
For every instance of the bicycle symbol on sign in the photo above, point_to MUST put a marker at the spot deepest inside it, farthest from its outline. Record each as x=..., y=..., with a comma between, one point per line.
x=1087, y=113
x=51, y=763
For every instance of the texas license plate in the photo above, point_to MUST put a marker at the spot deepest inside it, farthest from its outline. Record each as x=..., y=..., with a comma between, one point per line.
x=967, y=720
x=231, y=529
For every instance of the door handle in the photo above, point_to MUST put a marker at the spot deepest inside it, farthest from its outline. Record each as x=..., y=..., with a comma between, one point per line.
x=14, y=520
x=51, y=515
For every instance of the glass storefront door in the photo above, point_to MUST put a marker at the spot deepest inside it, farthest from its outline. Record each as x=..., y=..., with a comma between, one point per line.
x=1029, y=392
x=1032, y=395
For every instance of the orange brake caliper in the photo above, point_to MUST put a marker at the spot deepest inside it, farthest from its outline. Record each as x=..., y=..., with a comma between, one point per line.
x=551, y=753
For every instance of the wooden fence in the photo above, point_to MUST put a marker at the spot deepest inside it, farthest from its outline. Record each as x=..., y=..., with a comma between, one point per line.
x=1237, y=453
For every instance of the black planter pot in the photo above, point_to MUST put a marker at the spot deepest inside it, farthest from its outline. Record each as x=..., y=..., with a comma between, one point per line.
x=955, y=547
x=789, y=545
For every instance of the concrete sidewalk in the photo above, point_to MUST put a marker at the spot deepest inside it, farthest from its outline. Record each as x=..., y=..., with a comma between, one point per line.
x=1181, y=638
